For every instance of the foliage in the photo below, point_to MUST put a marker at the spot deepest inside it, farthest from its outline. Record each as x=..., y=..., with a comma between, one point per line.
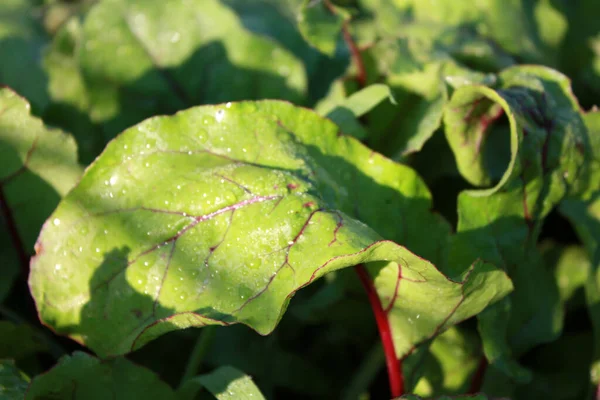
x=225, y=164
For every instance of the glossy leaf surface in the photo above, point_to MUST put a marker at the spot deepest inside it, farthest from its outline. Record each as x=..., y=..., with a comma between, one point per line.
x=256, y=200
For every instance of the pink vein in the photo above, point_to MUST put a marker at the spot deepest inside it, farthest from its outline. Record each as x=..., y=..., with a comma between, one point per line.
x=196, y=221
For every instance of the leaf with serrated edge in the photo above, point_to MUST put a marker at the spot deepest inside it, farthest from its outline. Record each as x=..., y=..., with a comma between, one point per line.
x=219, y=214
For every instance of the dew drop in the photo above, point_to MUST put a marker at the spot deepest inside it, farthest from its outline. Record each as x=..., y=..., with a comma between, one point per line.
x=146, y=263
x=97, y=250
x=57, y=267
x=113, y=179
x=228, y=105
x=56, y=222
x=219, y=115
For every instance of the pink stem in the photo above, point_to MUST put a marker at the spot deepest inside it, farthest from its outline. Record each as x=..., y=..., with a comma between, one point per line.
x=394, y=366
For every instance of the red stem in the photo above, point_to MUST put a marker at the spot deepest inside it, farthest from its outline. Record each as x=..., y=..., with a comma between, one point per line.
x=394, y=366
x=14, y=233
x=478, y=377
x=361, y=76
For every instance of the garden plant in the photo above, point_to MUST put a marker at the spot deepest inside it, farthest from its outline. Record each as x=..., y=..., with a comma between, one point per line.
x=247, y=199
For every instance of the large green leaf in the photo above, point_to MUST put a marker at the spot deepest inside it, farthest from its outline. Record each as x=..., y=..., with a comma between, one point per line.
x=501, y=224
x=21, y=42
x=81, y=376
x=218, y=215
x=141, y=58
x=37, y=167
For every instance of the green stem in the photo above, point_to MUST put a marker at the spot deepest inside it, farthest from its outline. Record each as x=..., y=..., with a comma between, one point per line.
x=198, y=352
x=366, y=373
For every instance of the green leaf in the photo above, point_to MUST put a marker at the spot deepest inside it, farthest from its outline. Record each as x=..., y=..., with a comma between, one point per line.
x=454, y=357
x=219, y=214
x=571, y=266
x=460, y=397
x=37, y=167
x=143, y=58
x=81, y=376
x=13, y=383
x=582, y=209
x=320, y=24
x=70, y=105
x=21, y=42
x=19, y=341
x=561, y=369
x=417, y=316
x=345, y=113
x=223, y=383
x=502, y=224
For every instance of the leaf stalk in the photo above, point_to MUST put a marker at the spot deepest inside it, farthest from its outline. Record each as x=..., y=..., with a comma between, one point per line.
x=394, y=366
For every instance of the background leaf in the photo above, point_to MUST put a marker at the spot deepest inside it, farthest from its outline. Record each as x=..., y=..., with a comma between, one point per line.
x=321, y=24
x=81, y=376
x=13, y=383
x=224, y=383
x=37, y=167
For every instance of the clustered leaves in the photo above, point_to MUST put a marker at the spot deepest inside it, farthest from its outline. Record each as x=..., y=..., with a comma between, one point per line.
x=167, y=158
